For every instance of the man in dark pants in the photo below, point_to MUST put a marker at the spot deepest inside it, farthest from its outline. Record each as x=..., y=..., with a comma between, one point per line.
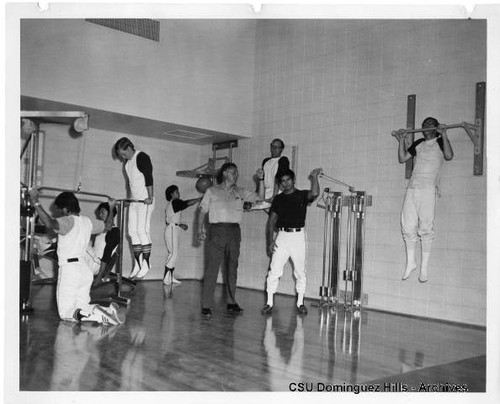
x=224, y=205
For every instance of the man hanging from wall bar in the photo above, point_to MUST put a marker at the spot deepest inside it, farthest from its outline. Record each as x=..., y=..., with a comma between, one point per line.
x=417, y=216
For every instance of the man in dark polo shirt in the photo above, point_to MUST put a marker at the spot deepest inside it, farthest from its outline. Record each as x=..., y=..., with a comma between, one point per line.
x=288, y=216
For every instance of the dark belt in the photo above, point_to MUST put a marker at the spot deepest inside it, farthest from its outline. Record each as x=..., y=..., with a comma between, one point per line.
x=175, y=224
x=72, y=260
x=225, y=224
x=290, y=229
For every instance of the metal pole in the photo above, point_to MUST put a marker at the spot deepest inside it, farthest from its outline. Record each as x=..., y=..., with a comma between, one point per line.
x=119, y=261
x=359, y=248
x=323, y=290
x=335, y=244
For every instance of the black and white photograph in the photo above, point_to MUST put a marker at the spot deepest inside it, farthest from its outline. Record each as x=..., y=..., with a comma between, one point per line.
x=293, y=202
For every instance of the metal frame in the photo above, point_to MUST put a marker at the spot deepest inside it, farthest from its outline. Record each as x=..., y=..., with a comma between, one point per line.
x=356, y=202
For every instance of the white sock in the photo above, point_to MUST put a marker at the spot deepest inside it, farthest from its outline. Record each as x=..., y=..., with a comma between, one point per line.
x=300, y=299
x=410, y=256
x=270, y=297
x=426, y=253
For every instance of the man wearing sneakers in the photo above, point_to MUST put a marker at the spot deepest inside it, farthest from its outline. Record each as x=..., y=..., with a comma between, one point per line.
x=288, y=215
x=139, y=172
x=75, y=276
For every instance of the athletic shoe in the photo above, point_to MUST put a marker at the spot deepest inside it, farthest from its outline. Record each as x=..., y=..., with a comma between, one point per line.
x=175, y=280
x=136, y=270
x=267, y=309
x=144, y=270
x=102, y=315
x=167, y=280
x=207, y=313
x=118, y=312
x=234, y=308
x=302, y=309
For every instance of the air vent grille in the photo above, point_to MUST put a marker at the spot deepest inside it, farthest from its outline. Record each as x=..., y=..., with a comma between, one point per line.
x=145, y=28
x=186, y=134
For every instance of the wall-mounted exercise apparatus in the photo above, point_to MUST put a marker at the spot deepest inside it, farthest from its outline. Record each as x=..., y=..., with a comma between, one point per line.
x=209, y=170
x=30, y=127
x=475, y=131
x=352, y=276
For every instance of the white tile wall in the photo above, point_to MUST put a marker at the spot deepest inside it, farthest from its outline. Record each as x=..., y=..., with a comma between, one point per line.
x=336, y=89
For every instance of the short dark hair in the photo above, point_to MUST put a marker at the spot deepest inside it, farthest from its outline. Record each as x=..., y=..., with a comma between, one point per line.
x=122, y=144
x=430, y=118
x=105, y=205
x=67, y=200
x=279, y=140
x=170, y=191
x=287, y=172
x=224, y=167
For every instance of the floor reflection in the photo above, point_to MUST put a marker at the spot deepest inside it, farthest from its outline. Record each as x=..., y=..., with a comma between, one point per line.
x=165, y=345
x=340, y=337
x=284, y=346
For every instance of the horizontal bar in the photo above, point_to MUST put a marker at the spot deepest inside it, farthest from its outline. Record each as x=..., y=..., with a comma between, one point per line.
x=89, y=193
x=74, y=192
x=464, y=125
x=225, y=145
x=130, y=200
x=53, y=114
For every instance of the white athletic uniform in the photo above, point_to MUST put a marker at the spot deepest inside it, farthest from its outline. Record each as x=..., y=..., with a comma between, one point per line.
x=139, y=214
x=75, y=276
x=417, y=217
x=172, y=219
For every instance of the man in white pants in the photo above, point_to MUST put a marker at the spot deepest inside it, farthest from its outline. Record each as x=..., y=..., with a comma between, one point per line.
x=288, y=215
x=173, y=221
x=75, y=276
x=139, y=170
x=417, y=215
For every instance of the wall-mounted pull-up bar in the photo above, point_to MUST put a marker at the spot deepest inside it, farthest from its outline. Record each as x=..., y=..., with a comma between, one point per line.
x=475, y=131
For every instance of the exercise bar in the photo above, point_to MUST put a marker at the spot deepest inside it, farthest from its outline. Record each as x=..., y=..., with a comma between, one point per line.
x=465, y=125
x=74, y=191
x=326, y=177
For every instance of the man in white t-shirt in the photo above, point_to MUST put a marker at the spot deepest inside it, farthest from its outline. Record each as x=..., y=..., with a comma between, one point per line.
x=75, y=276
x=417, y=216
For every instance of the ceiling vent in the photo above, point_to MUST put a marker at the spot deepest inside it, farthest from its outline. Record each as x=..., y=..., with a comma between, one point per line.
x=188, y=135
x=145, y=28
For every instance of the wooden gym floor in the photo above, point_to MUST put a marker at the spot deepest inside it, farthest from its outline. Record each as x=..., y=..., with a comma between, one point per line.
x=165, y=345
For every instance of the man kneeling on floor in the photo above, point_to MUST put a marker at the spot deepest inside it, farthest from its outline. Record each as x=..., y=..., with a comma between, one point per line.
x=75, y=276
x=288, y=215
